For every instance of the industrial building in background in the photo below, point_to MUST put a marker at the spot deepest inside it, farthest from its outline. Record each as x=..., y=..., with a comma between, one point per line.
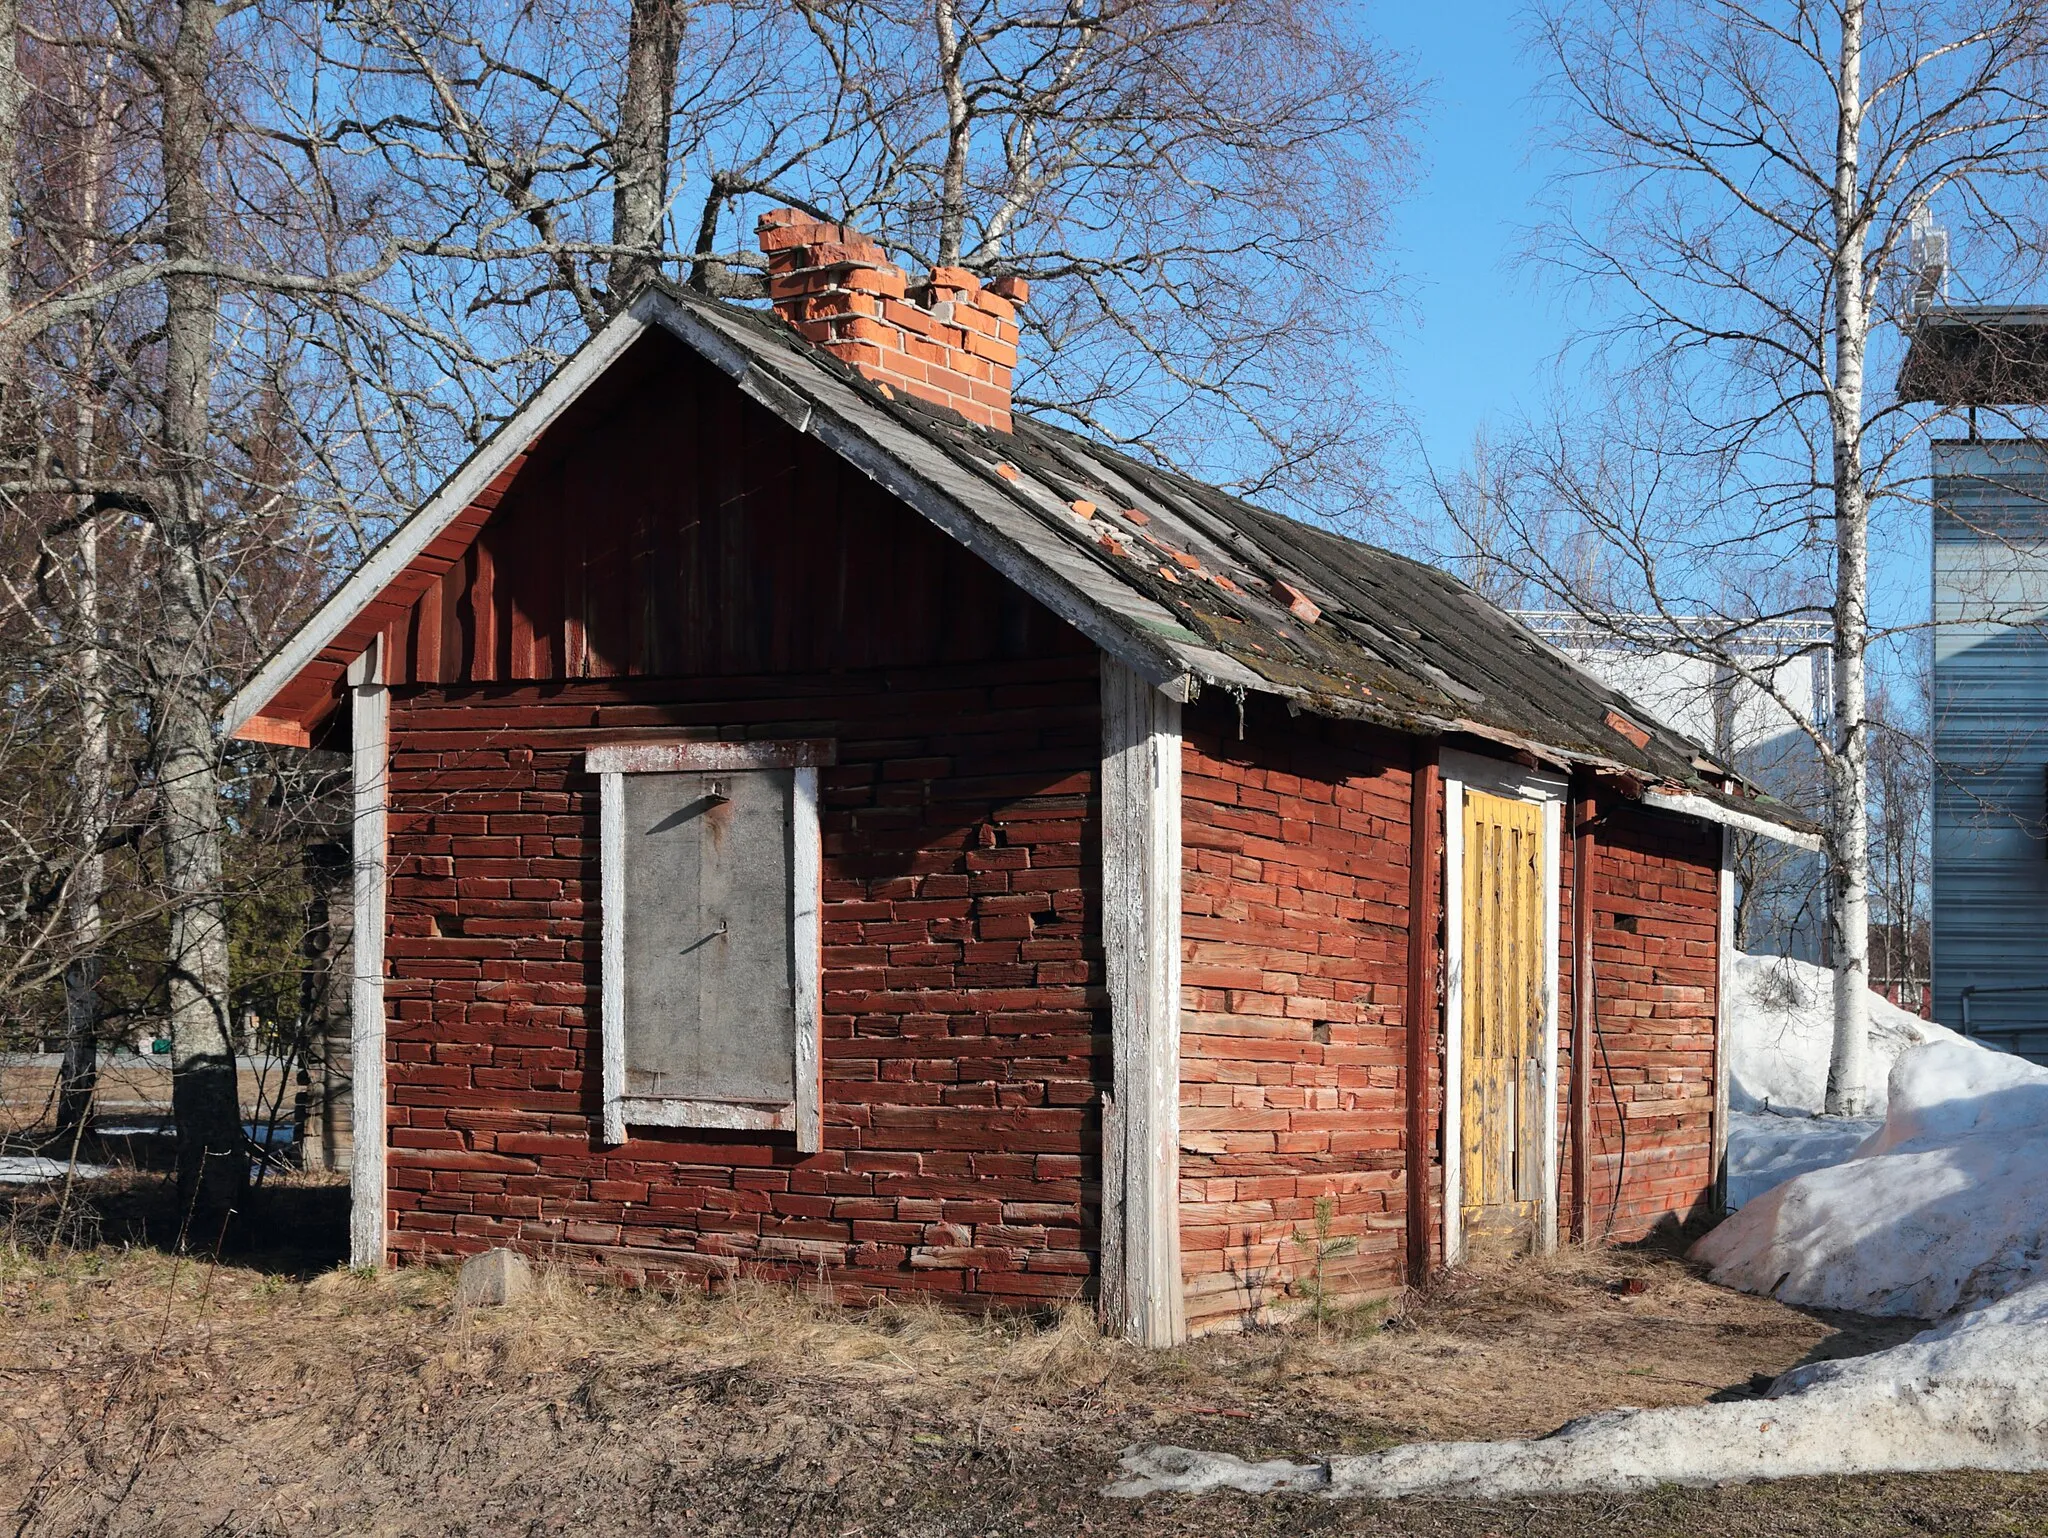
x=1766, y=733
x=1990, y=704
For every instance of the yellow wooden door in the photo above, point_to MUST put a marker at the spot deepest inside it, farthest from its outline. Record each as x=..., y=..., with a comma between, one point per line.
x=1503, y=993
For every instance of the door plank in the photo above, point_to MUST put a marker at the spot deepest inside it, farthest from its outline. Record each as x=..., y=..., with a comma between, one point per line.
x=1502, y=1119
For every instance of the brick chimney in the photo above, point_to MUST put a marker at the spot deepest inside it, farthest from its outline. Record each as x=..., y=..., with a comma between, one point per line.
x=951, y=341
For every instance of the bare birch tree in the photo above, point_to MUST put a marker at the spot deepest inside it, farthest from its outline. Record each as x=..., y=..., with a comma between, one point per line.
x=156, y=477
x=1746, y=173
x=1194, y=189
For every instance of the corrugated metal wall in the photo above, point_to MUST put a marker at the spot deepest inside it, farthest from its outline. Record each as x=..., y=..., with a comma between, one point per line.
x=1991, y=739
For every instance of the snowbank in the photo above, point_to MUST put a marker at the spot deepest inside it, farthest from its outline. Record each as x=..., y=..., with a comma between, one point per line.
x=1970, y=1395
x=1780, y=1035
x=1783, y=1026
x=1766, y=1148
x=1945, y=1206
x=34, y=1169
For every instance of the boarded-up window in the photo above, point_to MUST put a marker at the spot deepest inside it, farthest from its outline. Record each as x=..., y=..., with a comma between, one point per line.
x=710, y=935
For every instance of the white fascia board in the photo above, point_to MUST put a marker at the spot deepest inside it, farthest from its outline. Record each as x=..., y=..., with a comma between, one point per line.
x=405, y=543
x=1688, y=805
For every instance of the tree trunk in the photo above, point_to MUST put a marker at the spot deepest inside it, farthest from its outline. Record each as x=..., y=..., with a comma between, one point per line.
x=959, y=128
x=654, y=37
x=213, y=1162
x=10, y=130
x=78, y=1077
x=1848, y=762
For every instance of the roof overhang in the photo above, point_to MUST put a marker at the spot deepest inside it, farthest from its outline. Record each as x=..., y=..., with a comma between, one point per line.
x=1978, y=355
x=1707, y=809
x=1000, y=519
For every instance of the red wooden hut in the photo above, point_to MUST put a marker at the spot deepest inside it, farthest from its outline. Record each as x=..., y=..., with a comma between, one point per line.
x=812, y=821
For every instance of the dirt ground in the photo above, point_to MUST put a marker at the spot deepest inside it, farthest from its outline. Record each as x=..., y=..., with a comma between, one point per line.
x=141, y=1393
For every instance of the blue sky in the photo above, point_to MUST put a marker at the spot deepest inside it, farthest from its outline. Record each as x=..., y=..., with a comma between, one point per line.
x=1483, y=327
x=1485, y=324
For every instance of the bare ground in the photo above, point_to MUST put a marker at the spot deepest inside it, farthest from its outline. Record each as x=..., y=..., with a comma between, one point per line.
x=142, y=1393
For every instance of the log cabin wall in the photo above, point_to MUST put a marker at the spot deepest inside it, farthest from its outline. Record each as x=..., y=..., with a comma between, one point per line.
x=1293, y=1035
x=671, y=557
x=1295, y=932
x=674, y=560
x=1656, y=926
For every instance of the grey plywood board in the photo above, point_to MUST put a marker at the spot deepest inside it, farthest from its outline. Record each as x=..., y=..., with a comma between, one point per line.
x=709, y=1006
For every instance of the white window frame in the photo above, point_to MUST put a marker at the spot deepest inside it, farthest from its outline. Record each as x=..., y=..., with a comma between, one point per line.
x=1550, y=791
x=611, y=762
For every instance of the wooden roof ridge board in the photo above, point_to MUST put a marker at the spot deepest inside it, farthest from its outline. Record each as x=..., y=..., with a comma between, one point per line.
x=1164, y=603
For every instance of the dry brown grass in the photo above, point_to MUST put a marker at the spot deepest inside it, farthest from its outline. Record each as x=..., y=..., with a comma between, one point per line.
x=149, y=1394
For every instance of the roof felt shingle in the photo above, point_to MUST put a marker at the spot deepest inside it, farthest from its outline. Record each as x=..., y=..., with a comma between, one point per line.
x=1194, y=587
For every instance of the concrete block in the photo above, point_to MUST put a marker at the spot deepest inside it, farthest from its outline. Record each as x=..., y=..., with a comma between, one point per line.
x=492, y=1279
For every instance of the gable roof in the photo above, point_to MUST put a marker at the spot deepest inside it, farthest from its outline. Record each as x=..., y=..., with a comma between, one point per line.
x=1185, y=584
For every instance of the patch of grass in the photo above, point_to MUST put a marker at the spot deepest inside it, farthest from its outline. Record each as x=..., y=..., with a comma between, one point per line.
x=152, y=1395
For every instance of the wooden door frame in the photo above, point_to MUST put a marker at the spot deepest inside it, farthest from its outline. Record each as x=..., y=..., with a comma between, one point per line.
x=1496, y=777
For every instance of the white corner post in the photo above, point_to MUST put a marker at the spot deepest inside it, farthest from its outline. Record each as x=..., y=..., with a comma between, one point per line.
x=1453, y=889
x=1141, y=916
x=611, y=907
x=1724, y=1017
x=370, y=763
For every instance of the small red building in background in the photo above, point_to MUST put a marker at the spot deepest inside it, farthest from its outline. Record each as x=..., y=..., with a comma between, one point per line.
x=818, y=824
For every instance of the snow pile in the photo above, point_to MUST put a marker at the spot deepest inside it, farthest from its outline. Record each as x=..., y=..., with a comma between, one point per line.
x=1779, y=1038
x=1944, y=1208
x=1947, y=1205
x=1766, y=1149
x=1972, y=1394
x=1783, y=1027
x=34, y=1169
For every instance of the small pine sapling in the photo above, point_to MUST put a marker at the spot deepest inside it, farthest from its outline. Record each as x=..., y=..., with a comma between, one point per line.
x=1325, y=1246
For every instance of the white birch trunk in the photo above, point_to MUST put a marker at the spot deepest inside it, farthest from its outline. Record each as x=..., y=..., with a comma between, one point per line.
x=78, y=1077
x=79, y=1074
x=953, y=174
x=212, y=1158
x=1848, y=762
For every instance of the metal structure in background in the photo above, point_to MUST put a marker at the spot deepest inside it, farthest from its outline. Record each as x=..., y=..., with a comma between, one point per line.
x=1990, y=711
x=1647, y=657
x=1990, y=705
